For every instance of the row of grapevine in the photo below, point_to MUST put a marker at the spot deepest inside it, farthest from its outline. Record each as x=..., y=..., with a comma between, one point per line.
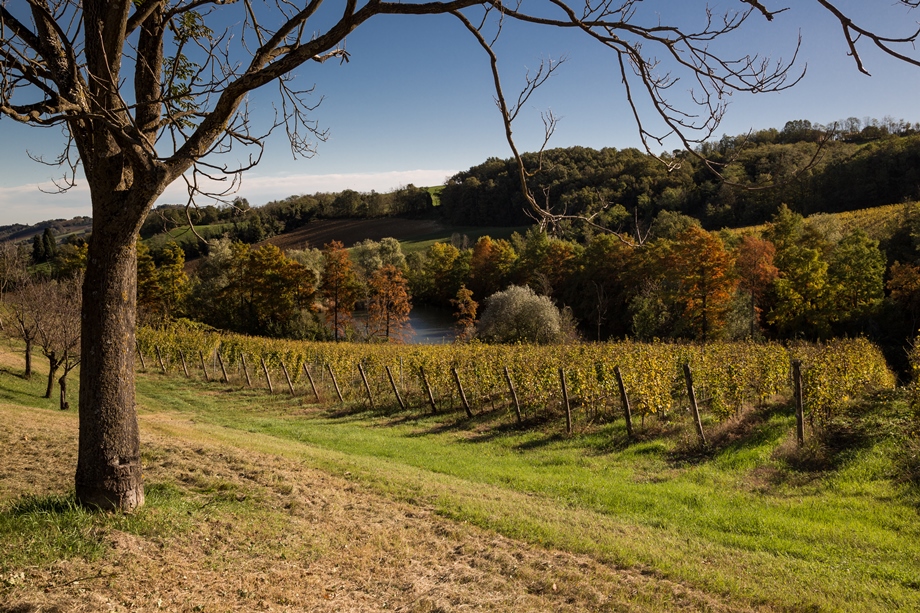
x=727, y=375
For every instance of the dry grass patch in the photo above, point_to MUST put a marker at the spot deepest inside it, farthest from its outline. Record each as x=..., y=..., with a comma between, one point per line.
x=228, y=529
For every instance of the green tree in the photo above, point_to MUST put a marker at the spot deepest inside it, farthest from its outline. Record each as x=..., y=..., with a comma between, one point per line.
x=856, y=274
x=280, y=291
x=802, y=300
x=172, y=280
x=38, y=250
x=148, y=284
x=49, y=244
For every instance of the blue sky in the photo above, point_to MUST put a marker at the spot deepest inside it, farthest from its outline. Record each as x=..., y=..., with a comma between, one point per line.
x=415, y=103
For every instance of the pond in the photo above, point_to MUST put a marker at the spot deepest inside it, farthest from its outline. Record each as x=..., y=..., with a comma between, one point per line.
x=431, y=326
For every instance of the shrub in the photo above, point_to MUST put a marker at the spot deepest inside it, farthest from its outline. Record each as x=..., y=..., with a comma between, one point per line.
x=517, y=314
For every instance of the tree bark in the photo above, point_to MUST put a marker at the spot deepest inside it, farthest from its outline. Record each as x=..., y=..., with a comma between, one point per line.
x=108, y=463
x=63, y=383
x=53, y=365
x=27, y=374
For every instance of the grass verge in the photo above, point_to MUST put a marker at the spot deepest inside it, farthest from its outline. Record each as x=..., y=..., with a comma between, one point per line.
x=265, y=502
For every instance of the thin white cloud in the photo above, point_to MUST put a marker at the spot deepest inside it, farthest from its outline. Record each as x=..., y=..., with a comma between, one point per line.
x=259, y=189
x=32, y=202
x=28, y=204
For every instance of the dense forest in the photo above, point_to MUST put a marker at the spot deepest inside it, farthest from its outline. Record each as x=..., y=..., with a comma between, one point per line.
x=733, y=182
x=736, y=181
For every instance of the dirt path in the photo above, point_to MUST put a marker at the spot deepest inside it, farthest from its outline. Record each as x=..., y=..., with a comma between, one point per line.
x=263, y=533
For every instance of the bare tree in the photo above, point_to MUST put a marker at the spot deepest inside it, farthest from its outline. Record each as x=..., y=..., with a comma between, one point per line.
x=149, y=93
x=67, y=307
x=56, y=306
x=13, y=269
x=22, y=306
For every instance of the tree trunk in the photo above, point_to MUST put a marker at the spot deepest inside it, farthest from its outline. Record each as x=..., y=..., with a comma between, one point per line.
x=53, y=364
x=108, y=465
x=28, y=372
x=63, y=383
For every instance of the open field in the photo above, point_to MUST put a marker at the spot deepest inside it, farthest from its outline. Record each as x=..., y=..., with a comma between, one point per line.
x=415, y=234
x=261, y=502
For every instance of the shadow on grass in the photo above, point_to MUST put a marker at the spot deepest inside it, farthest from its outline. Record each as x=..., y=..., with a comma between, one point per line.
x=30, y=608
x=54, y=504
x=752, y=427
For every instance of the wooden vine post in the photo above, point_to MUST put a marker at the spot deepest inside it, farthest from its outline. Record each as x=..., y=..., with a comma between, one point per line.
x=204, y=368
x=799, y=401
x=140, y=354
x=399, y=399
x=245, y=369
x=434, y=407
x=288, y=378
x=156, y=348
x=312, y=383
x=514, y=396
x=367, y=387
x=223, y=369
x=184, y=365
x=466, y=404
x=565, y=400
x=624, y=399
x=335, y=383
x=268, y=379
x=693, y=406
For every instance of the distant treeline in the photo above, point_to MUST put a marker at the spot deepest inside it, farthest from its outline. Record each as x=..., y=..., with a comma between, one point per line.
x=240, y=221
x=733, y=182
x=811, y=168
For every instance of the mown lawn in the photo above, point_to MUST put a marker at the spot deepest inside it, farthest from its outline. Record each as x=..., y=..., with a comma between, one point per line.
x=409, y=509
x=752, y=518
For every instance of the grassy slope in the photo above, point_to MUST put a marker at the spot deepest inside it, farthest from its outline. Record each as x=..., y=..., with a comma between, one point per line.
x=735, y=529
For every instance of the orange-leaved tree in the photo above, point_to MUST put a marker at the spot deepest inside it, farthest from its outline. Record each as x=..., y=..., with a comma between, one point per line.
x=701, y=284
x=339, y=287
x=388, y=305
x=756, y=272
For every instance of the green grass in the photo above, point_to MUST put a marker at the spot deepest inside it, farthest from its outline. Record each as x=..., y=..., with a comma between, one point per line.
x=473, y=233
x=750, y=520
x=184, y=235
x=740, y=521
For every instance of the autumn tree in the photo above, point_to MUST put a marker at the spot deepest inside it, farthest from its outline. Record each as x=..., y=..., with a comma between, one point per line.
x=704, y=283
x=491, y=263
x=465, y=313
x=280, y=291
x=388, y=304
x=340, y=287
x=439, y=273
x=756, y=272
x=148, y=92
x=904, y=285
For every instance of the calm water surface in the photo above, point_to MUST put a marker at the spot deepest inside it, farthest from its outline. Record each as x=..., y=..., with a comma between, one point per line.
x=431, y=326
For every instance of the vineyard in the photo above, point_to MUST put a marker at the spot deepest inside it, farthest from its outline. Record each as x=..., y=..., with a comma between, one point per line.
x=590, y=383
